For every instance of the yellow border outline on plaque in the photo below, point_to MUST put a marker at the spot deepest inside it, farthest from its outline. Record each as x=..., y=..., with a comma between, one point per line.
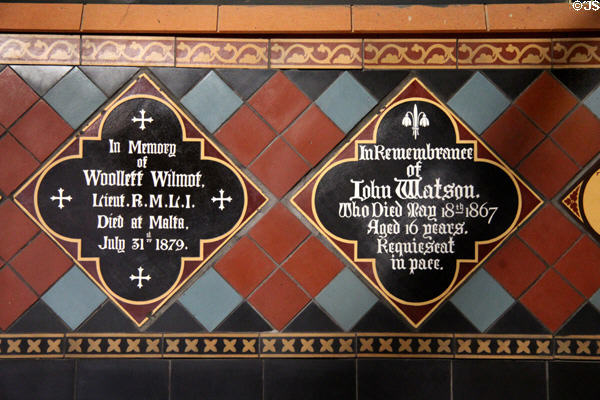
x=104, y=114
x=377, y=285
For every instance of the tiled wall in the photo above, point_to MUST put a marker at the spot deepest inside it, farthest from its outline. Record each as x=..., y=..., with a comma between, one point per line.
x=279, y=293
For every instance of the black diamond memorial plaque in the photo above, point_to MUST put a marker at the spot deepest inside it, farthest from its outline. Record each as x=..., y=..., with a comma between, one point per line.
x=416, y=202
x=141, y=199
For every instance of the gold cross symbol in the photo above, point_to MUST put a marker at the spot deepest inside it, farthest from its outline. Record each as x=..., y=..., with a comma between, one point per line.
x=444, y=345
x=326, y=345
x=230, y=345
x=75, y=345
x=288, y=345
x=464, y=346
x=14, y=346
x=405, y=345
x=172, y=345
x=366, y=344
x=307, y=345
x=191, y=345
x=33, y=346
x=94, y=345
x=424, y=346
x=152, y=345
x=503, y=346
x=385, y=345
x=133, y=345
x=114, y=345
x=54, y=345
x=346, y=345
x=269, y=345
x=248, y=345
x=210, y=345
x=523, y=346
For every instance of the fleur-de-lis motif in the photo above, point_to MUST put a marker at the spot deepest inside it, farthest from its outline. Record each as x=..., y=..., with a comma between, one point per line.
x=415, y=119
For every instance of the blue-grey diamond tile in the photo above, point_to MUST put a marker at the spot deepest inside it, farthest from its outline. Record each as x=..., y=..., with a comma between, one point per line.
x=75, y=97
x=593, y=102
x=346, y=299
x=211, y=101
x=210, y=299
x=479, y=102
x=595, y=299
x=346, y=102
x=74, y=297
x=482, y=300
x=41, y=77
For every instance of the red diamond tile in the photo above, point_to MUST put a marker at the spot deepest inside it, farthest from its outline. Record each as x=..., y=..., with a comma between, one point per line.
x=15, y=97
x=313, y=266
x=512, y=136
x=15, y=297
x=552, y=300
x=41, y=130
x=245, y=266
x=279, y=299
x=581, y=266
x=546, y=101
x=279, y=232
x=41, y=263
x=548, y=168
x=549, y=233
x=279, y=101
x=15, y=230
x=245, y=135
x=515, y=266
x=279, y=167
x=16, y=164
x=579, y=135
x=313, y=135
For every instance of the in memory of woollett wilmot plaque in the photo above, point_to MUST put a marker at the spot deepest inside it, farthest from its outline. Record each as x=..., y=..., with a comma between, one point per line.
x=141, y=199
x=416, y=202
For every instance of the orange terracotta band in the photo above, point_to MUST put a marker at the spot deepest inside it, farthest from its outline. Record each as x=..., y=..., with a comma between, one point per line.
x=338, y=19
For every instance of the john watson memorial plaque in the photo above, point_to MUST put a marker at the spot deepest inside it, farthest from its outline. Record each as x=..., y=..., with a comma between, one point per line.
x=416, y=202
x=141, y=199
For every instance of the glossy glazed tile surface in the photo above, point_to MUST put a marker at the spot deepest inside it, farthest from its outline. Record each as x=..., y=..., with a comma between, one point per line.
x=279, y=279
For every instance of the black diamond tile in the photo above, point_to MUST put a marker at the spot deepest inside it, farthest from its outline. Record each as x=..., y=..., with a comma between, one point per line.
x=585, y=322
x=108, y=319
x=309, y=379
x=381, y=319
x=36, y=379
x=245, y=82
x=574, y=381
x=244, y=319
x=379, y=83
x=109, y=79
x=39, y=318
x=579, y=81
x=216, y=379
x=512, y=81
x=41, y=77
x=386, y=379
x=312, y=83
x=312, y=319
x=518, y=320
x=179, y=80
x=448, y=319
x=176, y=319
x=122, y=379
x=499, y=380
x=444, y=83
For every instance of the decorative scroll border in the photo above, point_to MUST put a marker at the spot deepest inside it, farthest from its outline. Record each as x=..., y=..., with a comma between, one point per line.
x=300, y=345
x=348, y=53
